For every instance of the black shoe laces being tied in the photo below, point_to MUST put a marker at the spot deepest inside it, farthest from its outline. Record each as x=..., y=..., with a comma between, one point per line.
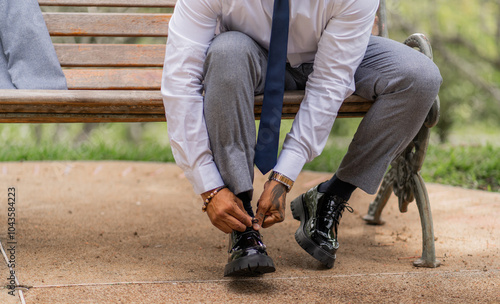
x=339, y=209
x=250, y=233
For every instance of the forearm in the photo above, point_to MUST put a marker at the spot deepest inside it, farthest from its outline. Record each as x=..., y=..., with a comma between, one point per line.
x=182, y=87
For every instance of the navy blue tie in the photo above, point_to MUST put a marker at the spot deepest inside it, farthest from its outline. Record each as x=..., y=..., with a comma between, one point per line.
x=266, y=150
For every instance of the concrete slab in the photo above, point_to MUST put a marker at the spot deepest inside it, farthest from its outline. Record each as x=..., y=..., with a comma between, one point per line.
x=133, y=232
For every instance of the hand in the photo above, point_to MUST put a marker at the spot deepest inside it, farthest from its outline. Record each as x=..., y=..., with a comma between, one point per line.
x=226, y=211
x=271, y=205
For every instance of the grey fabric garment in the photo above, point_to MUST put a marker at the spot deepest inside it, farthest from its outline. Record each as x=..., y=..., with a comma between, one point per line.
x=402, y=81
x=231, y=82
x=27, y=56
x=234, y=72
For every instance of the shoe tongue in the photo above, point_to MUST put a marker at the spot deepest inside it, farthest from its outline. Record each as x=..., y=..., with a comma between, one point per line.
x=250, y=229
x=246, y=240
x=238, y=234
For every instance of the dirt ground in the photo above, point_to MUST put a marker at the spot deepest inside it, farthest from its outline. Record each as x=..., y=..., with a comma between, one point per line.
x=133, y=232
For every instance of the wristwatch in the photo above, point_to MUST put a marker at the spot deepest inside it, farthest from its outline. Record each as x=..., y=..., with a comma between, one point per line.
x=282, y=179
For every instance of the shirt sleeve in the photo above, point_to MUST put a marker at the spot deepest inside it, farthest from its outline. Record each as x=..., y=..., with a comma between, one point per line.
x=191, y=30
x=340, y=51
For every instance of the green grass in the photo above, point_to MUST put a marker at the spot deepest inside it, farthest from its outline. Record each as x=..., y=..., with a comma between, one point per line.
x=475, y=165
x=70, y=142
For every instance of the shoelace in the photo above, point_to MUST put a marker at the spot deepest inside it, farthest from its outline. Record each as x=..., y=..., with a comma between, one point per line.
x=339, y=209
x=247, y=234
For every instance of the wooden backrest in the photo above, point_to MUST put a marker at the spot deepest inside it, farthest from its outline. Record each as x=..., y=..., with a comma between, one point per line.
x=92, y=58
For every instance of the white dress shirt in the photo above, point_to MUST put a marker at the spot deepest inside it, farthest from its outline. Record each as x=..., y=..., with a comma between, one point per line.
x=331, y=33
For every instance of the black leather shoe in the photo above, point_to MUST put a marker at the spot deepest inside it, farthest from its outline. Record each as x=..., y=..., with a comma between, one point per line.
x=319, y=217
x=247, y=255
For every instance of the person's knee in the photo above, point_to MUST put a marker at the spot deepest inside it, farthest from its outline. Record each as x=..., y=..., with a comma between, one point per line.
x=419, y=76
x=428, y=77
x=398, y=69
x=230, y=73
x=229, y=54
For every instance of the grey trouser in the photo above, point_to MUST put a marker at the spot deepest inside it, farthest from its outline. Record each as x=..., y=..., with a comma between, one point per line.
x=27, y=57
x=402, y=81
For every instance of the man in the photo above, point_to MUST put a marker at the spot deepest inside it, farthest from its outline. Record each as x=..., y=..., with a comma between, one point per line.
x=215, y=63
x=27, y=57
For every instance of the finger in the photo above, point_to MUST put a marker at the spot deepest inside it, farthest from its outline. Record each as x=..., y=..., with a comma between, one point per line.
x=260, y=215
x=222, y=212
x=223, y=227
x=273, y=219
x=241, y=216
x=216, y=221
x=235, y=224
x=226, y=222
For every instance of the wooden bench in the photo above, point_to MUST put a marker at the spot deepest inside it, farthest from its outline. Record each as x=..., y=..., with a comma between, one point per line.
x=120, y=82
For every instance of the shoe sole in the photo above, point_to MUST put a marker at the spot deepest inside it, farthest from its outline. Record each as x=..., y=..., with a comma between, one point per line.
x=249, y=266
x=299, y=213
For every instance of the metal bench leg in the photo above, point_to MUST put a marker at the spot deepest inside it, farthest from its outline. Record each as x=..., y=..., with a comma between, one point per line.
x=404, y=178
x=428, y=258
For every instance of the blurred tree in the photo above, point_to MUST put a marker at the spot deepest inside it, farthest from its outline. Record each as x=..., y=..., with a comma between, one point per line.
x=465, y=36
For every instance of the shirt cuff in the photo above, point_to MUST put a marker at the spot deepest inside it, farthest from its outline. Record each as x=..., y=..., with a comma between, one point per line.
x=290, y=164
x=205, y=178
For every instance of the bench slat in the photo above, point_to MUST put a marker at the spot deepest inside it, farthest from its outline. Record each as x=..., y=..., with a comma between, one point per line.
x=106, y=24
x=121, y=106
x=110, y=55
x=77, y=118
x=109, y=3
x=113, y=79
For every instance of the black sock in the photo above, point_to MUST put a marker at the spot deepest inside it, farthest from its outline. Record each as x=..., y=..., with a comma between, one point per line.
x=246, y=198
x=335, y=186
